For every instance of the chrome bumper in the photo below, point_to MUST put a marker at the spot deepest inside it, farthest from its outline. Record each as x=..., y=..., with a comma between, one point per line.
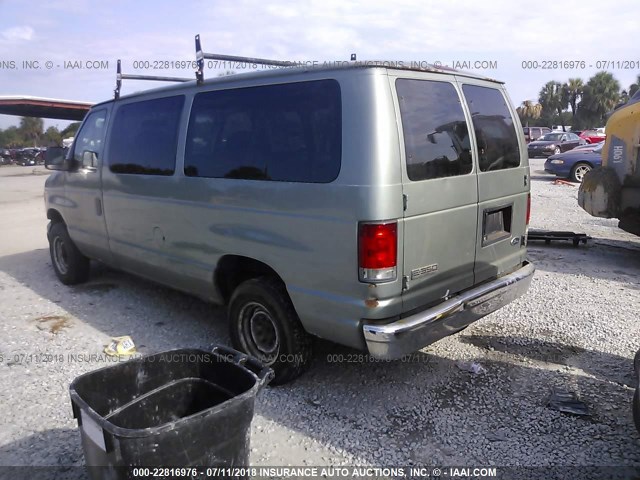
x=393, y=340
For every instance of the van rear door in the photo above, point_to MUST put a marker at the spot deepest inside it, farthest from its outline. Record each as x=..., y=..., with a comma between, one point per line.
x=503, y=180
x=440, y=189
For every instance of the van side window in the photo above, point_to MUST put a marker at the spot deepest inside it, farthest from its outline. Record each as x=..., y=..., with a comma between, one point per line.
x=91, y=135
x=290, y=133
x=495, y=131
x=144, y=137
x=436, y=137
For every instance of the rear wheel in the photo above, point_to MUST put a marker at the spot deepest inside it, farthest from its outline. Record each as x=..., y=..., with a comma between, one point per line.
x=557, y=150
x=636, y=408
x=70, y=265
x=264, y=324
x=578, y=171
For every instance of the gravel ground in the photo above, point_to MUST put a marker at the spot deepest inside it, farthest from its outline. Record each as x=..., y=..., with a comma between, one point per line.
x=577, y=329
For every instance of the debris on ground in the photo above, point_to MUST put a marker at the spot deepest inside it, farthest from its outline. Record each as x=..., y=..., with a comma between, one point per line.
x=496, y=436
x=471, y=367
x=120, y=346
x=548, y=235
x=559, y=181
x=567, y=402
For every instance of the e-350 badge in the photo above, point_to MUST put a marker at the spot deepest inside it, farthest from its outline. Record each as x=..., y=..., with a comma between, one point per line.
x=418, y=272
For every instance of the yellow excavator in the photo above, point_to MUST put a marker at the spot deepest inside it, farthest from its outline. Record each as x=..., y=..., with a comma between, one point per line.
x=613, y=191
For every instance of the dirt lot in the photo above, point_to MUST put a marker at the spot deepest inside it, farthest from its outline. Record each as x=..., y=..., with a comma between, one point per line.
x=576, y=330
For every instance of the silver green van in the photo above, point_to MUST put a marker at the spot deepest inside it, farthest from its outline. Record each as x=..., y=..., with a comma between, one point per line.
x=379, y=208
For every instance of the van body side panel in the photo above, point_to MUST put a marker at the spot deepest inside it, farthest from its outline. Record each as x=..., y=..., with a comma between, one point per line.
x=174, y=229
x=140, y=208
x=371, y=177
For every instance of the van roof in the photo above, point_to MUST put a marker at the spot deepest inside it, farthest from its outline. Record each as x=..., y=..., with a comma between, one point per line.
x=303, y=67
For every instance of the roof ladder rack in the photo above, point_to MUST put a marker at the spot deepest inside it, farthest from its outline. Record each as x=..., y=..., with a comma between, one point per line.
x=125, y=76
x=201, y=56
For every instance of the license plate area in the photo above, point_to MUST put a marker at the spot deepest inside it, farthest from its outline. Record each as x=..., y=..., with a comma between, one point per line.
x=496, y=224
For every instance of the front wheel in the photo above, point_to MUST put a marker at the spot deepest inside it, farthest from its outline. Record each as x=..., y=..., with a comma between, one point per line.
x=264, y=324
x=579, y=171
x=557, y=150
x=70, y=265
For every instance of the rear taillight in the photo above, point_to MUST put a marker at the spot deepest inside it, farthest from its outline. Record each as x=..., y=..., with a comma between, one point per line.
x=378, y=251
x=528, y=208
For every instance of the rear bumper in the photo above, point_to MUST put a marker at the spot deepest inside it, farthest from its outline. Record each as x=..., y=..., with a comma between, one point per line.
x=393, y=340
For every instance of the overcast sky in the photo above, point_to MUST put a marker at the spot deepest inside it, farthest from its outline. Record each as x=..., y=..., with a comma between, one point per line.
x=501, y=31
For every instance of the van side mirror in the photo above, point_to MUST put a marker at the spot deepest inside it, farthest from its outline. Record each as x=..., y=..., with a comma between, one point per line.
x=54, y=158
x=89, y=159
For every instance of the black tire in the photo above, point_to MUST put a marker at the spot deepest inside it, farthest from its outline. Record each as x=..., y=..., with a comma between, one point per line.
x=636, y=408
x=70, y=265
x=636, y=364
x=263, y=323
x=579, y=170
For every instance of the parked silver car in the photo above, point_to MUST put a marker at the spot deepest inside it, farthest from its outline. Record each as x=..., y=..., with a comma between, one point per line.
x=380, y=208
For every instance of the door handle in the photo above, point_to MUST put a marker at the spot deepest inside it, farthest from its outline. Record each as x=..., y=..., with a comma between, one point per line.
x=98, y=207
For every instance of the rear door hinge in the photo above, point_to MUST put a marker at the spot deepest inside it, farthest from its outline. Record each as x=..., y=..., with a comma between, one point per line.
x=405, y=283
x=404, y=201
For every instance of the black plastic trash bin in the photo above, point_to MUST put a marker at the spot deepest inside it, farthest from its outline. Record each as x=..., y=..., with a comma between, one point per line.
x=184, y=407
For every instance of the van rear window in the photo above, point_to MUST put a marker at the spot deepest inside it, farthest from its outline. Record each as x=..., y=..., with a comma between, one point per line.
x=436, y=137
x=495, y=131
x=290, y=132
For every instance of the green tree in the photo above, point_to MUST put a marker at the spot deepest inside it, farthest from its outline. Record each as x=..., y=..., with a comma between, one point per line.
x=11, y=138
x=529, y=111
x=553, y=100
x=600, y=96
x=634, y=87
x=52, y=137
x=572, y=91
x=31, y=129
x=70, y=130
x=624, y=97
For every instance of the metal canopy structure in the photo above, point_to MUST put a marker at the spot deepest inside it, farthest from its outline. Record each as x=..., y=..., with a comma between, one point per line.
x=25, y=106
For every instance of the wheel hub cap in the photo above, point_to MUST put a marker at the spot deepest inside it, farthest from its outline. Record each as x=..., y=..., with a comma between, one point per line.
x=260, y=331
x=60, y=255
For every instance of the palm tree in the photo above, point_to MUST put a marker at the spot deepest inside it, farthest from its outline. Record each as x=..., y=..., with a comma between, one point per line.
x=529, y=111
x=601, y=94
x=31, y=128
x=572, y=91
x=552, y=99
x=624, y=97
x=634, y=87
